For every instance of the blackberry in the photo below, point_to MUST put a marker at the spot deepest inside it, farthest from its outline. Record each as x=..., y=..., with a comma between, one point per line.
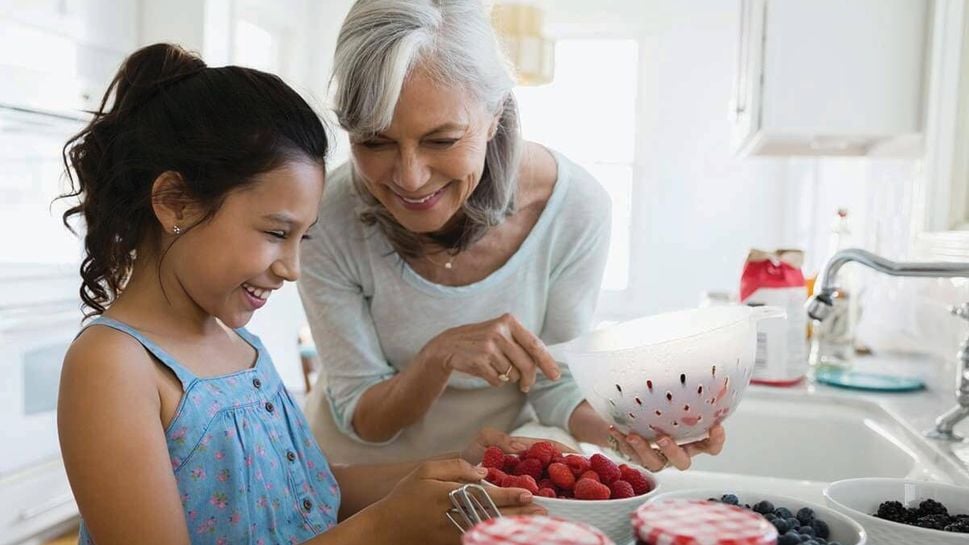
x=805, y=515
x=763, y=507
x=935, y=522
x=893, y=511
x=931, y=507
x=960, y=525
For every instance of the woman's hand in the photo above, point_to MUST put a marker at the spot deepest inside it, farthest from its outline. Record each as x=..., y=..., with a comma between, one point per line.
x=491, y=437
x=639, y=450
x=499, y=351
x=417, y=507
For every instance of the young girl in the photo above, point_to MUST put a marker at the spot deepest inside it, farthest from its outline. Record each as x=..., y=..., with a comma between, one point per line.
x=196, y=186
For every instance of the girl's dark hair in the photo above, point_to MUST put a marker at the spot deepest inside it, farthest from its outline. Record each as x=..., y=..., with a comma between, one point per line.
x=164, y=111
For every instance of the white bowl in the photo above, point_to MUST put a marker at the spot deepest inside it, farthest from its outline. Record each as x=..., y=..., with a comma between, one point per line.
x=612, y=517
x=859, y=498
x=675, y=374
x=843, y=529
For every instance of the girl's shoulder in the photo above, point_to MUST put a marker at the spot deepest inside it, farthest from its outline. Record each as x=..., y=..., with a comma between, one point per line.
x=101, y=355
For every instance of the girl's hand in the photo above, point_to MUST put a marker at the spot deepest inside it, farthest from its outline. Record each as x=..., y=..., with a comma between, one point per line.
x=499, y=351
x=417, y=507
x=669, y=453
x=491, y=437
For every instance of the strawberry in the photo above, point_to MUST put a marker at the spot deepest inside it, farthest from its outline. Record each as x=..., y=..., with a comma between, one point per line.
x=590, y=475
x=561, y=475
x=493, y=457
x=542, y=451
x=520, y=481
x=547, y=492
x=621, y=489
x=495, y=476
x=577, y=464
x=588, y=489
x=607, y=469
x=639, y=482
x=529, y=466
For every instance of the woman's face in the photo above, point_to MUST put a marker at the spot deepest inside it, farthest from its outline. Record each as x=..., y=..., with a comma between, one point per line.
x=426, y=164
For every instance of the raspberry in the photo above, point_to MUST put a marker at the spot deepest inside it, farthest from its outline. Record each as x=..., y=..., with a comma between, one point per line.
x=621, y=489
x=520, y=481
x=607, y=469
x=495, y=476
x=587, y=489
x=558, y=460
x=547, y=492
x=636, y=478
x=566, y=494
x=546, y=483
x=543, y=452
x=529, y=466
x=493, y=457
x=562, y=476
x=590, y=475
x=577, y=464
x=511, y=461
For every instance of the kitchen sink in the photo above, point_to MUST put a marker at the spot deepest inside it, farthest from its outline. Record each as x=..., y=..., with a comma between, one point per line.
x=813, y=438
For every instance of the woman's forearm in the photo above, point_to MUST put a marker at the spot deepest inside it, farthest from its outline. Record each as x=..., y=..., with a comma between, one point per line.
x=392, y=405
x=587, y=426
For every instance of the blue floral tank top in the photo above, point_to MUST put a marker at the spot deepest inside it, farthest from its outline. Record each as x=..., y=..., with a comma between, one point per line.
x=248, y=468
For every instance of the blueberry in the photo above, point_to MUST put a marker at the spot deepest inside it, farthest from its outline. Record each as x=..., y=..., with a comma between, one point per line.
x=788, y=539
x=806, y=531
x=783, y=512
x=805, y=538
x=805, y=515
x=834, y=543
x=793, y=523
x=821, y=528
x=763, y=507
x=730, y=499
x=781, y=525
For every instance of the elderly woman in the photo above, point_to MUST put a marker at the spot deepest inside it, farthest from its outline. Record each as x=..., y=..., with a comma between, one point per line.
x=452, y=251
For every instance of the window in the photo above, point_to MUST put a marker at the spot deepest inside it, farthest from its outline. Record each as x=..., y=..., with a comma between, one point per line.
x=598, y=133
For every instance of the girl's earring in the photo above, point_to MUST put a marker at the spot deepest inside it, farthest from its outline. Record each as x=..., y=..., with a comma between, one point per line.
x=176, y=230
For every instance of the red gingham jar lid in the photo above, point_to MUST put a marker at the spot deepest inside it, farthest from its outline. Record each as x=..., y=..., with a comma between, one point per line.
x=699, y=522
x=529, y=530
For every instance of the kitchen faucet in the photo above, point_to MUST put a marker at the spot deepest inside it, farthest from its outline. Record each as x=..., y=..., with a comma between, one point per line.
x=820, y=306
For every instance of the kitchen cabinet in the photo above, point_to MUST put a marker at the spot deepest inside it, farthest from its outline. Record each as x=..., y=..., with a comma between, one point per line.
x=829, y=77
x=942, y=193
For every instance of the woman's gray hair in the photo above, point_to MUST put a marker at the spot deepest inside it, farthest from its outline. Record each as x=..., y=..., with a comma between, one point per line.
x=380, y=43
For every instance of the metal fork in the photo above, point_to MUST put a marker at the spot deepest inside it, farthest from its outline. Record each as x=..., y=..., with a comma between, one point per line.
x=472, y=505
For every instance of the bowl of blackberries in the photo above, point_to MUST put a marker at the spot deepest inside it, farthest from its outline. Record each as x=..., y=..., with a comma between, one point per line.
x=798, y=522
x=900, y=511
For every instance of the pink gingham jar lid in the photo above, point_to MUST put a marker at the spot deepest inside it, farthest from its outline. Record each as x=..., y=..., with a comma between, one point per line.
x=529, y=530
x=700, y=522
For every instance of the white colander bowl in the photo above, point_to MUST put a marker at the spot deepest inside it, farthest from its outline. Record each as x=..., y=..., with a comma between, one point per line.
x=675, y=374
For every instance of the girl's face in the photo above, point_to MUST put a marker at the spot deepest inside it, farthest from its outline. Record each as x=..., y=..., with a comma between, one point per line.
x=230, y=265
x=427, y=163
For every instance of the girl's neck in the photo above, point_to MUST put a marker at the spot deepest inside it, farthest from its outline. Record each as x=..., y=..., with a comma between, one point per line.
x=144, y=304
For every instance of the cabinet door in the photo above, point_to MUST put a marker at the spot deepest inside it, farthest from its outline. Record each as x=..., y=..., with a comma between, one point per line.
x=746, y=108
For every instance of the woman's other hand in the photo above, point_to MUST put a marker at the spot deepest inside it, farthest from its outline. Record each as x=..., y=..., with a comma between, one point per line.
x=668, y=452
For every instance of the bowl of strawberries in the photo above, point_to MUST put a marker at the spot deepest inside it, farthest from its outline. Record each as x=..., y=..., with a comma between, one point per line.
x=594, y=490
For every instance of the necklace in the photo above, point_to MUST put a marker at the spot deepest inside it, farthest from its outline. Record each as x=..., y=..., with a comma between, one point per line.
x=449, y=264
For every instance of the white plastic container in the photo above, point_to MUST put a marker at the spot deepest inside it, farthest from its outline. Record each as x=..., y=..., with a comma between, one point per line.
x=674, y=374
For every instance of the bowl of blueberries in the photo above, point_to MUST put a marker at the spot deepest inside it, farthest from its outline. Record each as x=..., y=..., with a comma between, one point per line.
x=901, y=511
x=798, y=522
